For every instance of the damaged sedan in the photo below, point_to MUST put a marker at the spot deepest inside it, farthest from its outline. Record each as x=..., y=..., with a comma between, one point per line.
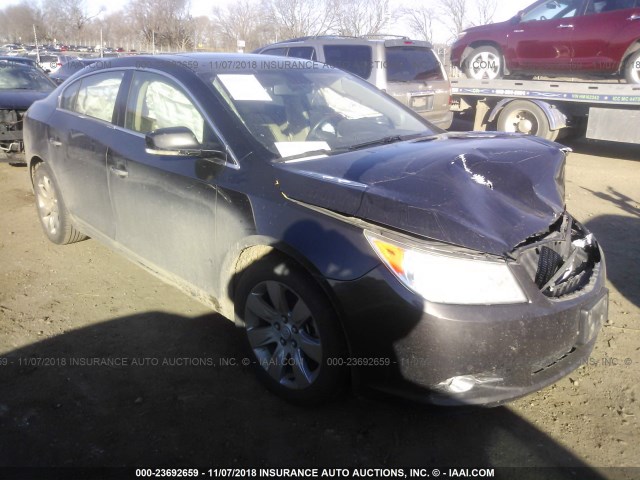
x=353, y=242
x=21, y=84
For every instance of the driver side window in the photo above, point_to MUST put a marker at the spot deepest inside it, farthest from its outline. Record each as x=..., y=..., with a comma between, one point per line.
x=553, y=9
x=154, y=102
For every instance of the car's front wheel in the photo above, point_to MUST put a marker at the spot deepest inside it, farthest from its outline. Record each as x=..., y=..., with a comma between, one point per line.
x=52, y=211
x=632, y=68
x=294, y=338
x=484, y=63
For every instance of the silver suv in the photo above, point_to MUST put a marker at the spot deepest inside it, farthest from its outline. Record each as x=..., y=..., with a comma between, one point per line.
x=408, y=70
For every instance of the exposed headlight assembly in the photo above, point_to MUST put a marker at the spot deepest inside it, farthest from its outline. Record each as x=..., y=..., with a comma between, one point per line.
x=444, y=277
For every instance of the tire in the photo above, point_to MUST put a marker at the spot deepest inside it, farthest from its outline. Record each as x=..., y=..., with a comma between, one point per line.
x=522, y=116
x=632, y=68
x=292, y=332
x=484, y=63
x=52, y=211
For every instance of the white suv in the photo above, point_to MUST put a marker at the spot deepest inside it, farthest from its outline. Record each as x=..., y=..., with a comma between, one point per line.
x=408, y=70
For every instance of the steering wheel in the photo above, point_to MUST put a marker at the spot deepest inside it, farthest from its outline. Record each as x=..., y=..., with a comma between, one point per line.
x=325, y=128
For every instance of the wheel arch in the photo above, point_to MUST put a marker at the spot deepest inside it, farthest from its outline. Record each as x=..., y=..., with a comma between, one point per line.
x=32, y=163
x=634, y=47
x=556, y=118
x=480, y=43
x=254, y=250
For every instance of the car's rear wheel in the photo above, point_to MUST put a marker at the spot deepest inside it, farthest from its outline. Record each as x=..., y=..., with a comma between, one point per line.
x=521, y=116
x=484, y=63
x=52, y=211
x=632, y=68
x=293, y=335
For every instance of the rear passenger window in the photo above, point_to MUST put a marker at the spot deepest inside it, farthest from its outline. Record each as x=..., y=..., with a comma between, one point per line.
x=95, y=97
x=281, y=52
x=352, y=58
x=412, y=64
x=308, y=53
x=604, y=6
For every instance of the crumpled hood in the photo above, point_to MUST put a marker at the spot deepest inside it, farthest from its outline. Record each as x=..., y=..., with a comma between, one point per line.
x=19, y=99
x=488, y=192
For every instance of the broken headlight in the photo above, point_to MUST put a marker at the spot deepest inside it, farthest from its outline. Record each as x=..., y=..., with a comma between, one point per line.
x=446, y=277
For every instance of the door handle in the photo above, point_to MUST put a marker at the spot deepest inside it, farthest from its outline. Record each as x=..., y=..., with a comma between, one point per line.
x=635, y=16
x=122, y=173
x=565, y=26
x=55, y=142
x=518, y=31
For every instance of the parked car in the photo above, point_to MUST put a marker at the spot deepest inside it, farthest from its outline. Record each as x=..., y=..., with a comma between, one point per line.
x=408, y=70
x=339, y=229
x=556, y=37
x=21, y=84
x=52, y=63
x=7, y=59
x=73, y=66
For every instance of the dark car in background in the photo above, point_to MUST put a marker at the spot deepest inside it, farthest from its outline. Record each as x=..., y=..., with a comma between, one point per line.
x=73, y=66
x=347, y=236
x=6, y=59
x=556, y=37
x=408, y=70
x=21, y=84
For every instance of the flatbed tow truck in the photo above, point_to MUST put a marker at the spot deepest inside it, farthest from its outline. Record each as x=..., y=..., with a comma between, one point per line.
x=552, y=109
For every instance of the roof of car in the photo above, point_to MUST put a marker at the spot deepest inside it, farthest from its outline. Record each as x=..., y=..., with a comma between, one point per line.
x=342, y=39
x=200, y=62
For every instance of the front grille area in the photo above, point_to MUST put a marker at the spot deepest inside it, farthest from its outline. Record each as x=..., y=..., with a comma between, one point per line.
x=563, y=262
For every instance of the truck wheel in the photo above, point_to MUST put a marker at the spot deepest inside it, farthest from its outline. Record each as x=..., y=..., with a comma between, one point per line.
x=632, y=68
x=521, y=116
x=52, y=212
x=294, y=337
x=484, y=63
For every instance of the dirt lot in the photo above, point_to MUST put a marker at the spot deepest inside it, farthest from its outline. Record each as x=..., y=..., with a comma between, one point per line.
x=172, y=402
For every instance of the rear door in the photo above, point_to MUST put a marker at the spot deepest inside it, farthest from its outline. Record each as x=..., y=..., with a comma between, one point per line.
x=603, y=34
x=79, y=135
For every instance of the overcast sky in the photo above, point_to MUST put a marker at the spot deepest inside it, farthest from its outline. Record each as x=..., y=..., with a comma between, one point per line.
x=504, y=11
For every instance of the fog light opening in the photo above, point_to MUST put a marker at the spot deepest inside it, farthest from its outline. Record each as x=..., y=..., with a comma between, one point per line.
x=465, y=383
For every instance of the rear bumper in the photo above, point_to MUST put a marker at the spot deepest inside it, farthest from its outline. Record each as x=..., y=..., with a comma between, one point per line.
x=442, y=120
x=504, y=351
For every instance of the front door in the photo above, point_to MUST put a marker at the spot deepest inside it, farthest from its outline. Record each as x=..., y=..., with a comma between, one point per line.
x=165, y=207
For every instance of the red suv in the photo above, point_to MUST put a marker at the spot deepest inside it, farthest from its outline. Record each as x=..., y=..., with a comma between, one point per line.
x=556, y=37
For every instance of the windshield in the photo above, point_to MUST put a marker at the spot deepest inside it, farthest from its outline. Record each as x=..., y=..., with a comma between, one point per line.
x=22, y=77
x=310, y=112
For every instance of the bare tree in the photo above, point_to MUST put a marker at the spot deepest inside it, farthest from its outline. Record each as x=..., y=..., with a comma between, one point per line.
x=167, y=23
x=298, y=18
x=240, y=21
x=485, y=9
x=17, y=23
x=362, y=17
x=420, y=20
x=454, y=15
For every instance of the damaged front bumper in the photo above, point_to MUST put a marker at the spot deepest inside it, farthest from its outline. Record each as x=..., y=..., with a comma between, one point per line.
x=481, y=354
x=11, y=131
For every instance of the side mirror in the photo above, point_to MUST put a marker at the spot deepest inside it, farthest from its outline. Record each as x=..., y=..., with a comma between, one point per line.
x=518, y=17
x=181, y=141
x=171, y=140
